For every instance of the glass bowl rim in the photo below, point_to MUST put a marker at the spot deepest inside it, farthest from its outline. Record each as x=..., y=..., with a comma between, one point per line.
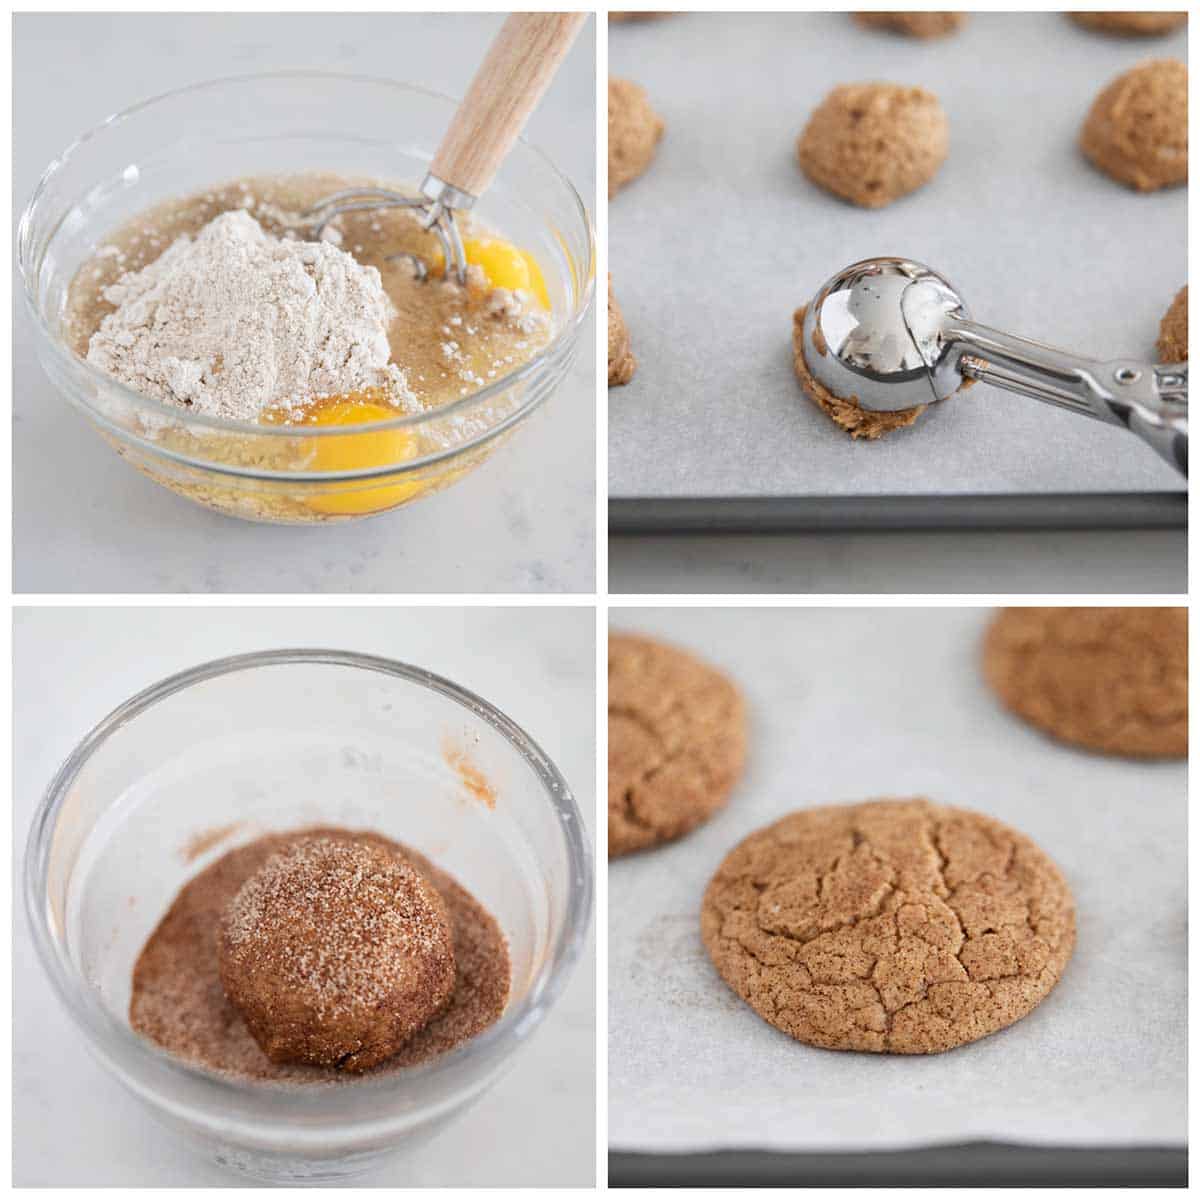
x=563, y=336
x=514, y=1024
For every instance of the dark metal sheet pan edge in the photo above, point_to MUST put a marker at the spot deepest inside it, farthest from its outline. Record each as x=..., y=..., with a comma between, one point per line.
x=869, y=514
x=979, y=1164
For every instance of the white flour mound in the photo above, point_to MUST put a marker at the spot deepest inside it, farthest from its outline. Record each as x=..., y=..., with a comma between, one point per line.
x=233, y=321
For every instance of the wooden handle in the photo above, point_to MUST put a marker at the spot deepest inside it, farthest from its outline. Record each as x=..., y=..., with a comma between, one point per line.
x=506, y=89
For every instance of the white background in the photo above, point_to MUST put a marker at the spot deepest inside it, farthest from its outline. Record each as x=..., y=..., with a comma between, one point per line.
x=73, y=1124
x=524, y=522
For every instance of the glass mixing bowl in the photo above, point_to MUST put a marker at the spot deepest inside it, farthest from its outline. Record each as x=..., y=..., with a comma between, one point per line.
x=276, y=741
x=285, y=123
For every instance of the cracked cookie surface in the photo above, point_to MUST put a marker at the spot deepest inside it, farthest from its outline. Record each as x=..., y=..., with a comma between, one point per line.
x=893, y=926
x=1109, y=679
x=676, y=742
x=913, y=24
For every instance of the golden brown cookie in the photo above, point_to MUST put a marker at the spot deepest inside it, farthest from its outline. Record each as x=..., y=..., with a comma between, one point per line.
x=845, y=412
x=914, y=24
x=895, y=926
x=634, y=131
x=872, y=143
x=1131, y=24
x=1173, y=332
x=621, y=363
x=1108, y=679
x=1136, y=130
x=676, y=742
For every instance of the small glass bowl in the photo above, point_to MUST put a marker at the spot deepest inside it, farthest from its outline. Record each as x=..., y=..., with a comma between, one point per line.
x=282, y=740
x=285, y=123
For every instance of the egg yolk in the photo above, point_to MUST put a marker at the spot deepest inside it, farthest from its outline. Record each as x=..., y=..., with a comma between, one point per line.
x=506, y=266
x=358, y=452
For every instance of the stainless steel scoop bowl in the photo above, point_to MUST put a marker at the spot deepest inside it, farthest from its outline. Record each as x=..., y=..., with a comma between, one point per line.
x=895, y=335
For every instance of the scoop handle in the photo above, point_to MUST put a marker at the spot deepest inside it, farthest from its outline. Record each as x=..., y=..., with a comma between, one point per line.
x=507, y=87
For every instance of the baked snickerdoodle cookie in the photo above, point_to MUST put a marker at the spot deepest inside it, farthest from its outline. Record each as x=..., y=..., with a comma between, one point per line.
x=1112, y=680
x=1131, y=24
x=1173, y=332
x=676, y=742
x=621, y=363
x=1136, y=130
x=872, y=143
x=844, y=411
x=895, y=926
x=914, y=24
x=634, y=131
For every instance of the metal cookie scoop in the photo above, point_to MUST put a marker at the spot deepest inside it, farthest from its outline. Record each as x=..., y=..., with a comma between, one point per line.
x=504, y=92
x=895, y=335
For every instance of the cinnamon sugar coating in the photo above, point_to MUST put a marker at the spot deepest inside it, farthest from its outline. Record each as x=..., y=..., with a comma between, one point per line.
x=335, y=952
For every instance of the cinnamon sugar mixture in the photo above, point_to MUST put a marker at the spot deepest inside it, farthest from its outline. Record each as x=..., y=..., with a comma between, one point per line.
x=445, y=340
x=178, y=1000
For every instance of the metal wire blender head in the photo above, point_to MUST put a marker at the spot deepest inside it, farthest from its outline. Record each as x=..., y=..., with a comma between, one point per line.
x=505, y=90
x=894, y=335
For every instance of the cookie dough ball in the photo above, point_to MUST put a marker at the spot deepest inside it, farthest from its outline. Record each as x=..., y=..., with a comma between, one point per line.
x=1112, y=680
x=844, y=411
x=676, y=742
x=637, y=16
x=634, y=131
x=621, y=363
x=872, y=143
x=913, y=24
x=1131, y=24
x=896, y=926
x=1136, y=130
x=335, y=952
x=1173, y=332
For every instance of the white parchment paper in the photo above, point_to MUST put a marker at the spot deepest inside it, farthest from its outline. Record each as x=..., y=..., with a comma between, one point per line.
x=723, y=237
x=846, y=705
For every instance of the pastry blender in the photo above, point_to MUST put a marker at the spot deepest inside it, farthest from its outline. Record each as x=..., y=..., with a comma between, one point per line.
x=518, y=68
x=893, y=335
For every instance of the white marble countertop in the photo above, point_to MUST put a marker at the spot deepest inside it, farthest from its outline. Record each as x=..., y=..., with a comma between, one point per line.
x=525, y=522
x=538, y=665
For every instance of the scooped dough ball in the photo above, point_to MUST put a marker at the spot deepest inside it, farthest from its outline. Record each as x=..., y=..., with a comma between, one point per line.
x=1137, y=128
x=634, y=130
x=1130, y=24
x=621, y=363
x=335, y=951
x=1173, y=332
x=844, y=411
x=914, y=24
x=872, y=143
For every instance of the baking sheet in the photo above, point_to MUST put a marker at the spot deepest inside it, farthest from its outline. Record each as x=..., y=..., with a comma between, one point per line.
x=723, y=237
x=850, y=704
